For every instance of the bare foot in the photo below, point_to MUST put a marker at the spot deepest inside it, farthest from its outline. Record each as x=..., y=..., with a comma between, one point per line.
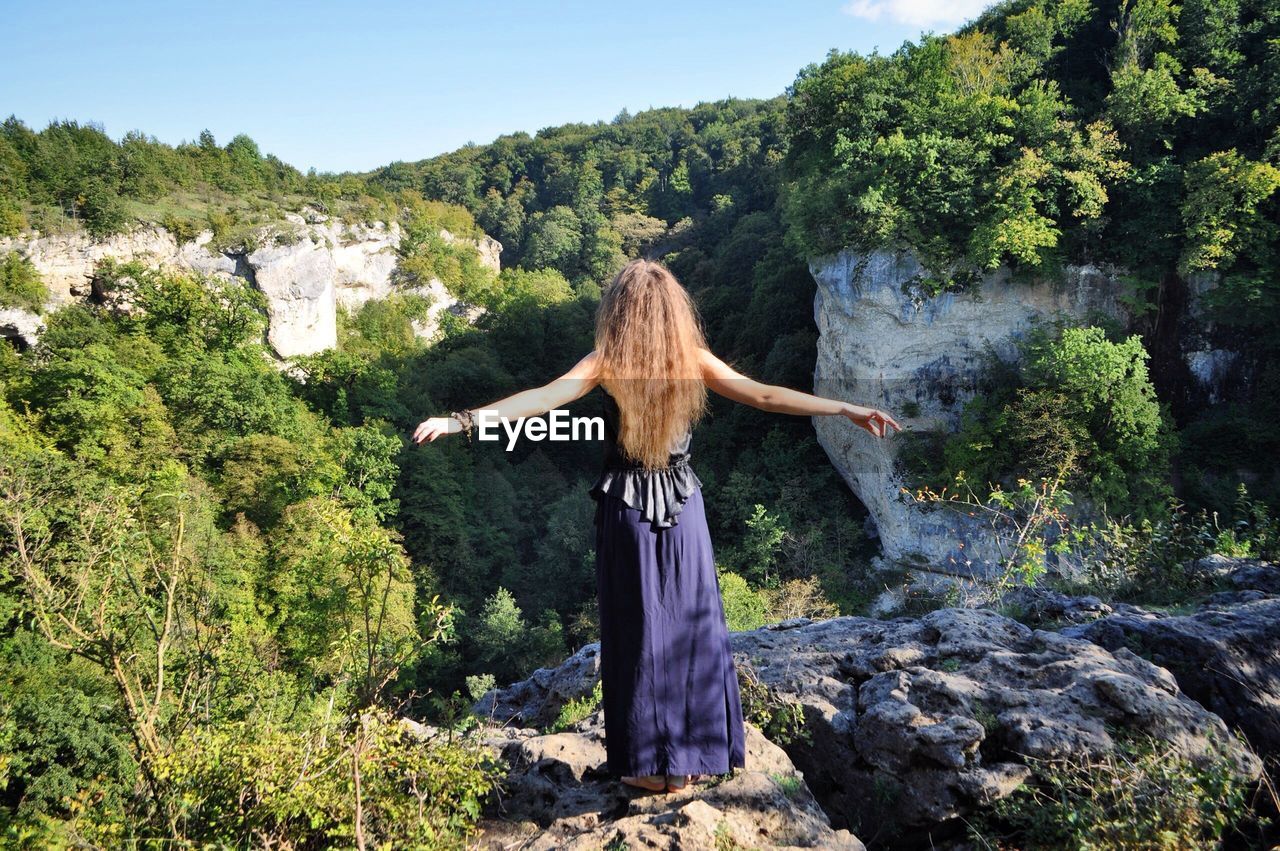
x=649, y=782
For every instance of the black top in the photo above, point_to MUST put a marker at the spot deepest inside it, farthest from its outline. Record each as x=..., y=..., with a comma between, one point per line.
x=658, y=494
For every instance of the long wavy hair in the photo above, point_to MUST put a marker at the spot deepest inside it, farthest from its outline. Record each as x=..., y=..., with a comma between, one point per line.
x=648, y=334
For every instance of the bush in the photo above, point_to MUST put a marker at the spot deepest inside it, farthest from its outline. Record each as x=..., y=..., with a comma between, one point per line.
x=744, y=608
x=579, y=708
x=1143, y=795
x=1077, y=409
x=184, y=228
x=372, y=781
x=781, y=719
x=20, y=284
x=12, y=219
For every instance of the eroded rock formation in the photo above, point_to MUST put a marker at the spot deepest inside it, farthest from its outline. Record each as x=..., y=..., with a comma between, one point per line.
x=883, y=342
x=558, y=795
x=914, y=722
x=306, y=268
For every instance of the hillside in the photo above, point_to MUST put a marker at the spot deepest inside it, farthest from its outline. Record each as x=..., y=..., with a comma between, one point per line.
x=1045, y=242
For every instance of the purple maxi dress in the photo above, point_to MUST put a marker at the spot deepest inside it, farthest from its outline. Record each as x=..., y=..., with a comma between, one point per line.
x=671, y=700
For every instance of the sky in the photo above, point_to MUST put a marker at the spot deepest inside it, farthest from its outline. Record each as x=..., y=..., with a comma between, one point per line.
x=352, y=86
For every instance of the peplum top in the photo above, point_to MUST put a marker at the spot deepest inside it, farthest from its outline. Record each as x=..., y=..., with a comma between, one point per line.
x=660, y=494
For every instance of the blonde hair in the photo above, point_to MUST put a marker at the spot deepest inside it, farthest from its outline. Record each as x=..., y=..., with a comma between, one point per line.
x=648, y=334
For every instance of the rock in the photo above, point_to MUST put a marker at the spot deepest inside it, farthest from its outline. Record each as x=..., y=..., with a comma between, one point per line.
x=884, y=343
x=913, y=722
x=21, y=325
x=1041, y=606
x=306, y=271
x=559, y=795
x=298, y=281
x=364, y=260
x=936, y=713
x=537, y=700
x=1226, y=655
x=1244, y=574
x=65, y=261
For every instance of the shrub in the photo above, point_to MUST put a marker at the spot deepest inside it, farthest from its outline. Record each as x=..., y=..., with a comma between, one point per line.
x=744, y=608
x=578, y=708
x=20, y=284
x=369, y=782
x=1077, y=409
x=779, y=718
x=1142, y=795
x=184, y=228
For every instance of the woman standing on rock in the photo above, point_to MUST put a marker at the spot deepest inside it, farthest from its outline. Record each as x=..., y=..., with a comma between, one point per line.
x=672, y=711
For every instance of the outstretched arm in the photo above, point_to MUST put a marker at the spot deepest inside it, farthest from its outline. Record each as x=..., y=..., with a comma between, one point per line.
x=574, y=384
x=731, y=384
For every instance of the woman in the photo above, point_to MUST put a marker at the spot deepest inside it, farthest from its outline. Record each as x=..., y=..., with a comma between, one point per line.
x=672, y=710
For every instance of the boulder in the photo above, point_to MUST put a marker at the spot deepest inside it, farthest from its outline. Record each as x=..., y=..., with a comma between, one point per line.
x=917, y=721
x=537, y=700
x=1044, y=606
x=911, y=723
x=1226, y=655
x=559, y=795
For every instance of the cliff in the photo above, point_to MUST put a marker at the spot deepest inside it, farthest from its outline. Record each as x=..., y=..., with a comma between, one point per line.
x=884, y=342
x=307, y=269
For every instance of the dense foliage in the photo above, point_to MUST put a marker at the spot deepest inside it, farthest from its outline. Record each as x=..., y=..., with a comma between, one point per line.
x=1139, y=134
x=200, y=596
x=1074, y=408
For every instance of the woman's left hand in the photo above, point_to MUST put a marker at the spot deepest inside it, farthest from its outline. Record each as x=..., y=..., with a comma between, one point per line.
x=874, y=421
x=431, y=429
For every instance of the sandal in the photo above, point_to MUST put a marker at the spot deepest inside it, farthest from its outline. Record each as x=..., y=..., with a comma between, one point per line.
x=649, y=782
x=676, y=782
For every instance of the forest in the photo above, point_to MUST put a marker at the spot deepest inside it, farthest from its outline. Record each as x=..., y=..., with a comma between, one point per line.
x=224, y=585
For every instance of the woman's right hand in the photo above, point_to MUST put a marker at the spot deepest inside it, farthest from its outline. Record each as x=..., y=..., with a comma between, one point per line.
x=430, y=429
x=875, y=421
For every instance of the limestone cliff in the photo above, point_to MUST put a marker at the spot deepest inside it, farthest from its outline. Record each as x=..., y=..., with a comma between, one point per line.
x=306, y=270
x=884, y=342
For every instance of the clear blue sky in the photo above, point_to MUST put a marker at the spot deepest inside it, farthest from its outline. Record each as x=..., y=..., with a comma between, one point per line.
x=351, y=86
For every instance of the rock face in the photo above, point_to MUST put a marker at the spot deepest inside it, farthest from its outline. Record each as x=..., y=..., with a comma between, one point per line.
x=536, y=701
x=306, y=270
x=20, y=325
x=914, y=722
x=559, y=795
x=884, y=343
x=1226, y=655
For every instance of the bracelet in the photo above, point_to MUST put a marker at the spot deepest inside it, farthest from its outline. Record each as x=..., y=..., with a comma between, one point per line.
x=466, y=418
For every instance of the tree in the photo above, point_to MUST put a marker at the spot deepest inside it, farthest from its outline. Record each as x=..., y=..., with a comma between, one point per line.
x=554, y=240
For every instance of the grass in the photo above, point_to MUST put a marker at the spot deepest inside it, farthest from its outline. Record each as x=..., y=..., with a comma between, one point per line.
x=578, y=709
x=1142, y=795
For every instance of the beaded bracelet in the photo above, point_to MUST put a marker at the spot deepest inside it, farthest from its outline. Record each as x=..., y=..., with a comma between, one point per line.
x=466, y=418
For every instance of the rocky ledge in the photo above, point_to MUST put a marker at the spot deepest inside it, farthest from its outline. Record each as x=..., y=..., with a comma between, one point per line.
x=912, y=723
x=558, y=795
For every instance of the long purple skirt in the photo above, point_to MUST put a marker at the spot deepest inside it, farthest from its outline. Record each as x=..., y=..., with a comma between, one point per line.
x=671, y=701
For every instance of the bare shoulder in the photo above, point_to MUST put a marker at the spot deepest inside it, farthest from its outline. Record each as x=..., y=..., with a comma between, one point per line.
x=714, y=367
x=587, y=367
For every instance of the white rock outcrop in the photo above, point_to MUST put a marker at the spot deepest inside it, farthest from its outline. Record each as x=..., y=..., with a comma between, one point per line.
x=19, y=324
x=884, y=343
x=306, y=271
